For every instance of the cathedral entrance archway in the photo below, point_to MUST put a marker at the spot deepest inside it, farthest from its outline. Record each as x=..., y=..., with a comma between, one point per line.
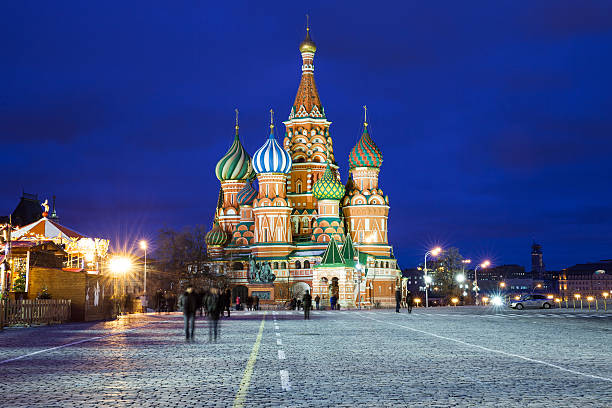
x=298, y=289
x=334, y=289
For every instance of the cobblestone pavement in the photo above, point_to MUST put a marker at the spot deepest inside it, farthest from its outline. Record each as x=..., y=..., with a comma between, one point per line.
x=439, y=357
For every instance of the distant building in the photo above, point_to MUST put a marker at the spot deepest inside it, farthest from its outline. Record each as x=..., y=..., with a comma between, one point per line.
x=537, y=262
x=588, y=279
x=413, y=280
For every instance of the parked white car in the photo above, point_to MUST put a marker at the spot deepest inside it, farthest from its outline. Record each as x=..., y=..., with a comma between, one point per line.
x=534, y=301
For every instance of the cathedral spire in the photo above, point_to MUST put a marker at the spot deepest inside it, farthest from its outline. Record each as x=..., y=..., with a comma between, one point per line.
x=237, y=127
x=307, y=102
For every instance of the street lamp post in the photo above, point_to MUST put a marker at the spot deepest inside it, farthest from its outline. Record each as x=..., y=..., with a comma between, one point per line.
x=358, y=268
x=145, y=303
x=120, y=265
x=435, y=252
x=485, y=264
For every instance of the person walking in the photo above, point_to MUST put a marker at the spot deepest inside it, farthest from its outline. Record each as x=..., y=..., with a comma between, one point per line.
x=398, y=299
x=189, y=304
x=332, y=302
x=409, y=301
x=307, y=305
x=214, y=305
x=317, y=301
x=227, y=297
x=238, y=305
x=256, y=301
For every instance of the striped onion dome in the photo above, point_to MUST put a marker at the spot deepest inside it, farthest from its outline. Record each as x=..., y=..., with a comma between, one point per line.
x=271, y=158
x=236, y=164
x=247, y=194
x=328, y=187
x=216, y=236
x=365, y=153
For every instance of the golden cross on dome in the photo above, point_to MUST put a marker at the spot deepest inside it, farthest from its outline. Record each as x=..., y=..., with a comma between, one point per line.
x=307, y=23
x=236, y=120
x=365, y=116
x=271, y=118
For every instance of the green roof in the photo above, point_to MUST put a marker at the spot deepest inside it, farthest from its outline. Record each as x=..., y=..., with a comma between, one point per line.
x=332, y=255
x=348, y=250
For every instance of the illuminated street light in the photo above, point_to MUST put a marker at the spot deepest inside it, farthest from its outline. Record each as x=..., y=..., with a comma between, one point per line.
x=460, y=278
x=145, y=301
x=485, y=299
x=483, y=265
x=434, y=252
x=455, y=301
x=497, y=301
x=119, y=265
x=589, y=300
x=605, y=295
x=417, y=301
x=502, y=284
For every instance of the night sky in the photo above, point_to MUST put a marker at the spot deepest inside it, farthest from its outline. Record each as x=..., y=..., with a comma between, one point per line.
x=493, y=117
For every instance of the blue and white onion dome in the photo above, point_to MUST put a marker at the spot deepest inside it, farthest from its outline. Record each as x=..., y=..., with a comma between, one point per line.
x=271, y=157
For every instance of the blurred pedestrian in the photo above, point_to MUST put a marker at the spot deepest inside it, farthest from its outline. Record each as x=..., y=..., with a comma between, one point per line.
x=159, y=298
x=332, y=302
x=256, y=302
x=307, y=303
x=189, y=304
x=214, y=305
x=409, y=301
x=249, y=302
x=238, y=305
x=398, y=299
x=317, y=301
x=227, y=301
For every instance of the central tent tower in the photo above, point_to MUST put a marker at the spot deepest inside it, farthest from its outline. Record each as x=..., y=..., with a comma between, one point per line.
x=308, y=142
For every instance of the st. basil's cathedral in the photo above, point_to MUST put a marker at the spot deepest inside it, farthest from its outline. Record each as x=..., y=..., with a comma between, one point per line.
x=298, y=228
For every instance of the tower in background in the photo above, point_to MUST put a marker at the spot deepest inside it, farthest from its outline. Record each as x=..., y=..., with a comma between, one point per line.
x=537, y=261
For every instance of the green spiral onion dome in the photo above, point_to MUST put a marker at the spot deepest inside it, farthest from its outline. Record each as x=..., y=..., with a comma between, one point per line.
x=365, y=153
x=328, y=187
x=216, y=236
x=236, y=164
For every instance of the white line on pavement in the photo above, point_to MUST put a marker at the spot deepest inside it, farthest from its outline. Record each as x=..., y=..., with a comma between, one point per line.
x=281, y=354
x=284, y=375
x=65, y=345
x=279, y=342
x=277, y=334
x=465, y=343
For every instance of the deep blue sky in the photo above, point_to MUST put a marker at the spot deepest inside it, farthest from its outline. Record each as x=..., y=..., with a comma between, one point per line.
x=493, y=117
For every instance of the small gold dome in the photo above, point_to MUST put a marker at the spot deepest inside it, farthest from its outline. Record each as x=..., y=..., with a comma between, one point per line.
x=308, y=45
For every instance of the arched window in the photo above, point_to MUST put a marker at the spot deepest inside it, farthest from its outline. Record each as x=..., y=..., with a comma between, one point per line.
x=387, y=265
x=298, y=186
x=306, y=264
x=298, y=265
x=237, y=266
x=284, y=265
x=275, y=265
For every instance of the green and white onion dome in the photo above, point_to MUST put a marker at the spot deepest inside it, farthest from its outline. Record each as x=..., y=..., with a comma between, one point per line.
x=365, y=153
x=236, y=164
x=328, y=187
x=216, y=236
